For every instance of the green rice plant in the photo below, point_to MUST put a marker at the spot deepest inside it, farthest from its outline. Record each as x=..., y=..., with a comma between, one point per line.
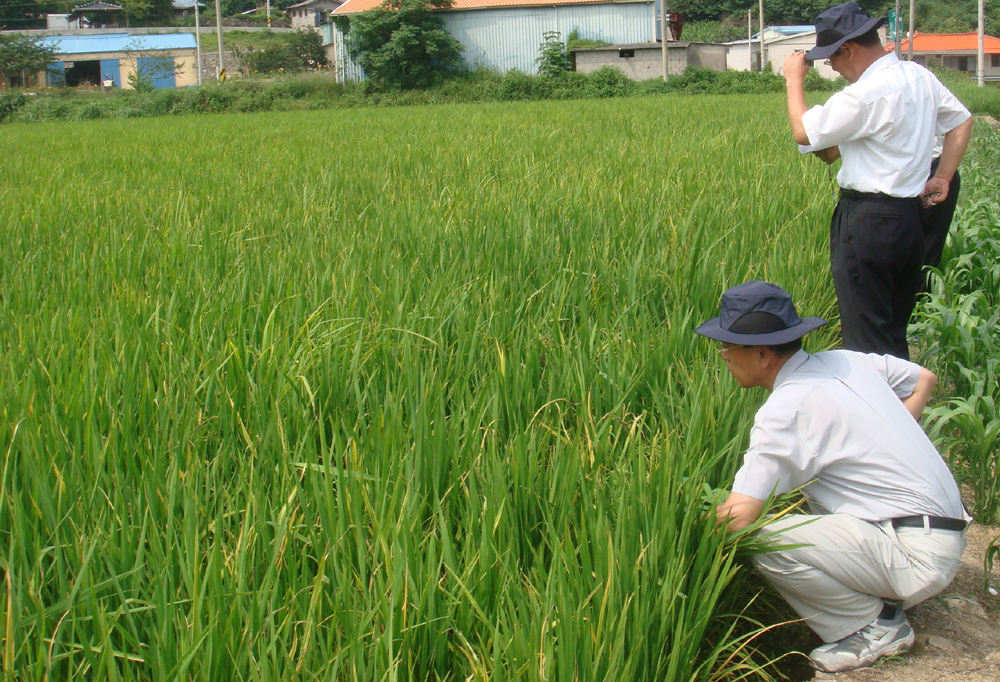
x=413, y=398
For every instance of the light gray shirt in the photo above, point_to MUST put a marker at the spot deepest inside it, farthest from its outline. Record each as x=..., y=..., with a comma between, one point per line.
x=885, y=125
x=836, y=424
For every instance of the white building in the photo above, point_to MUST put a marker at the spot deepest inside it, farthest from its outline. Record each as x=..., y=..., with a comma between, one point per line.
x=501, y=35
x=312, y=13
x=744, y=55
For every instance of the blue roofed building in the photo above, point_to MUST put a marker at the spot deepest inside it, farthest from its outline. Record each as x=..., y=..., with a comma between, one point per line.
x=168, y=60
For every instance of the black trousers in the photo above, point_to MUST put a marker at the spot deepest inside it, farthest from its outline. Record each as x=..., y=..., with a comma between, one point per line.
x=937, y=222
x=877, y=257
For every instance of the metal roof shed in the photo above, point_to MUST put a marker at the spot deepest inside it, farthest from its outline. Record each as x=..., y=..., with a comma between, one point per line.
x=113, y=56
x=502, y=35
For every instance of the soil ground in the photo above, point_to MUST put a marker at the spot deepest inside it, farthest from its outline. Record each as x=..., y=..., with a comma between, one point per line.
x=958, y=632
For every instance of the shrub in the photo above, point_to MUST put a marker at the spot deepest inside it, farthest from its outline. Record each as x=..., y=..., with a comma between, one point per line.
x=288, y=52
x=9, y=103
x=609, y=81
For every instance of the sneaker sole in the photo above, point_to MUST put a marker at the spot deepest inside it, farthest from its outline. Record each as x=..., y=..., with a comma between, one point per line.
x=898, y=647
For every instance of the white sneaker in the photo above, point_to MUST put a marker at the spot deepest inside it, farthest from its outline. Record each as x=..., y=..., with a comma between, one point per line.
x=879, y=638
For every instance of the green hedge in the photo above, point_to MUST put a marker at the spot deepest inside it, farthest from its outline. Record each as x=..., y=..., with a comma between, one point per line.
x=320, y=91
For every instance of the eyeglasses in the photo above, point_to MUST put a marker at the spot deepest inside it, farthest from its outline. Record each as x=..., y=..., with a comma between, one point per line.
x=829, y=62
x=722, y=350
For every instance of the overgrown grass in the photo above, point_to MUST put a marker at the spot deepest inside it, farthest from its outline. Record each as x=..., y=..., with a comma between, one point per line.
x=416, y=397
x=985, y=100
x=320, y=91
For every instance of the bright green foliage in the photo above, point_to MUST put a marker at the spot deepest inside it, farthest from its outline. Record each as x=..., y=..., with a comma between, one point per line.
x=23, y=54
x=713, y=32
x=403, y=43
x=398, y=400
x=776, y=11
x=960, y=327
x=573, y=40
x=553, y=59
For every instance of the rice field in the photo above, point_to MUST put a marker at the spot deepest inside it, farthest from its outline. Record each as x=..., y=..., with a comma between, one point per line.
x=397, y=394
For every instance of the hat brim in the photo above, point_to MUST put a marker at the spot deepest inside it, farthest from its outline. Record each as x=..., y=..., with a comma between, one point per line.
x=826, y=50
x=713, y=330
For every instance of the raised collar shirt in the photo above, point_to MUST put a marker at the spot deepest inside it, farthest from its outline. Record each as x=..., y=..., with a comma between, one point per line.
x=835, y=423
x=885, y=125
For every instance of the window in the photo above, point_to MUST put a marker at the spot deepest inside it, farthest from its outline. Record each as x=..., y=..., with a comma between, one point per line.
x=626, y=54
x=995, y=60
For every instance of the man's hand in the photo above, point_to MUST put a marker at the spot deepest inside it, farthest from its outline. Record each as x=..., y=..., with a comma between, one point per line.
x=795, y=67
x=739, y=511
x=935, y=191
x=829, y=155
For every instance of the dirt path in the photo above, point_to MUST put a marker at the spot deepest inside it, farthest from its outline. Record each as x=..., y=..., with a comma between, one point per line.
x=958, y=634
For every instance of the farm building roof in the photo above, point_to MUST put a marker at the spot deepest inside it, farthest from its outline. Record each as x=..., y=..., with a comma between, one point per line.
x=783, y=33
x=309, y=3
x=119, y=42
x=355, y=6
x=97, y=6
x=948, y=42
x=186, y=4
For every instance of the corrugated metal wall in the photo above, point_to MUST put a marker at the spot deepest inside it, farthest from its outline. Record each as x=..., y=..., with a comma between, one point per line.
x=508, y=38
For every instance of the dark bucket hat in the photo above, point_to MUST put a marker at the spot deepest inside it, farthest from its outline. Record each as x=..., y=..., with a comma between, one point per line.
x=837, y=25
x=758, y=313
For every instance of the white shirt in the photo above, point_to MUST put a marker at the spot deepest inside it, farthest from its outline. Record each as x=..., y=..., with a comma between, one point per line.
x=836, y=421
x=885, y=125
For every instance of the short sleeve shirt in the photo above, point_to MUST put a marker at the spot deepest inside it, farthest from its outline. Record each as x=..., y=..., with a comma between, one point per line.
x=835, y=426
x=885, y=125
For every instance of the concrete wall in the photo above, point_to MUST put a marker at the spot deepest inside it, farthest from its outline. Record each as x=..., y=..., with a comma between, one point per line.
x=738, y=57
x=646, y=62
x=707, y=56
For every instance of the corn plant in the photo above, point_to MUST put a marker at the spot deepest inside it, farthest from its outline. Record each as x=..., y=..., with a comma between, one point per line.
x=968, y=428
x=960, y=327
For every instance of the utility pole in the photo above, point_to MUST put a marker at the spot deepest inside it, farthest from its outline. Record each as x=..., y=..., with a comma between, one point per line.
x=218, y=28
x=268, y=14
x=663, y=37
x=750, y=37
x=913, y=34
x=760, y=19
x=197, y=39
x=896, y=23
x=981, y=56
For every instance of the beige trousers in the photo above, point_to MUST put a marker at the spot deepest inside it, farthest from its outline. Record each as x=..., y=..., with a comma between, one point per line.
x=837, y=579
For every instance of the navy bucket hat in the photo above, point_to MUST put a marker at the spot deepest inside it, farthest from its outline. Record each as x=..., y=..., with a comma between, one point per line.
x=837, y=25
x=758, y=313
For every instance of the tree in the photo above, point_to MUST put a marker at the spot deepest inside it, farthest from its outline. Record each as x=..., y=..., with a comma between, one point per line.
x=150, y=66
x=403, y=43
x=21, y=55
x=552, y=58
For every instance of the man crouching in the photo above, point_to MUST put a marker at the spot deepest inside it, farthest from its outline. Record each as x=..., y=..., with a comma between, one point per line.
x=887, y=522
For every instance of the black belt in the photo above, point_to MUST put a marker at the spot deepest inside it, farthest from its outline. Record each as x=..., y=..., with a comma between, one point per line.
x=938, y=522
x=854, y=195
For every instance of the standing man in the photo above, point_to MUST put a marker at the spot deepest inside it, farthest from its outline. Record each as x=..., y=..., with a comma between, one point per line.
x=883, y=126
x=887, y=521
